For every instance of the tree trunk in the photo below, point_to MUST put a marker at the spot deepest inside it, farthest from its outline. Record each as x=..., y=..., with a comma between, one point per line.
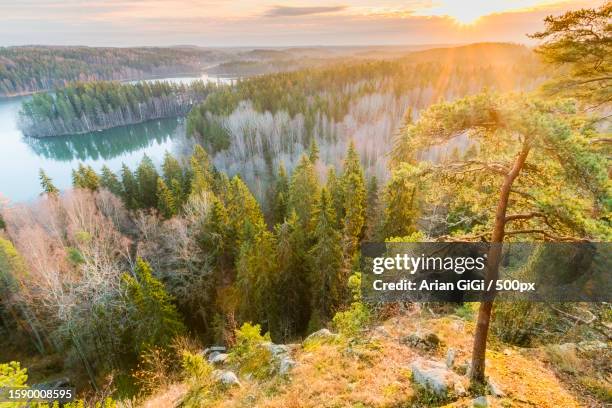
x=477, y=372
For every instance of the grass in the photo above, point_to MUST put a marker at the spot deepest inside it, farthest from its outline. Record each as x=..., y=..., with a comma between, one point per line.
x=373, y=371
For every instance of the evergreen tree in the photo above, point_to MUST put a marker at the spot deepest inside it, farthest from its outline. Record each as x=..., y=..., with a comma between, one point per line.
x=147, y=176
x=303, y=191
x=130, y=188
x=201, y=176
x=47, y=184
x=327, y=279
x=579, y=41
x=215, y=241
x=243, y=211
x=334, y=189
x=291, y=288
x=174, y=178
x=354, y=200
x=373, y=208
x=165, y=200
x=151, y=310
x=257, y=268
x=109, y=181
x=85, y=177
x=281, y=196
x=401, y=204
x=313, y=151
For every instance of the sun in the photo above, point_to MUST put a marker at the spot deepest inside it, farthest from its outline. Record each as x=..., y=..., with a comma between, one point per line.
x=468, y=12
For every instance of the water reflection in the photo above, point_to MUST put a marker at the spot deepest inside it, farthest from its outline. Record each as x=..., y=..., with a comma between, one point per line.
x=107, y=144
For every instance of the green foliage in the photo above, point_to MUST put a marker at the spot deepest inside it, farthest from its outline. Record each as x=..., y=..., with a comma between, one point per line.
x=313, y=151
x=75, y=256
x=327, y=92
x=257, y=269
x=203, y=389
x=165, y=200
x=83, y=107
x=85, y=177
x=303, y=191
x=352, y=321
x=131, y=193
x=327, y=278
x=152, y=312
x=354, y=201
x=201, y=177
x=401, y=203
x=564, y=178
x=109, y=181
x=291, y=290
x=12, y=375
x=579, y=42
x=37, y=68
x=281, y=196
x=466, y=311
x=250, y=354
x=519, y=322
x=47, y=184
x=147, y=176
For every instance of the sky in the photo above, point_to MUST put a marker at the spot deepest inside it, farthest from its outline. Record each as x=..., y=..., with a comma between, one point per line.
x=273, y=23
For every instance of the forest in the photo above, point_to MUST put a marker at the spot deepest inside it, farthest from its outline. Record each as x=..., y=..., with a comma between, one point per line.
x=251, y=243
x=253, y=127
x=90, y=106
x=25, y=70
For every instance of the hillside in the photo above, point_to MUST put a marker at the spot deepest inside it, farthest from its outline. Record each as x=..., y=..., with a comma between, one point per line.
x=475, y=54
x=30, y=69
x=376, y=369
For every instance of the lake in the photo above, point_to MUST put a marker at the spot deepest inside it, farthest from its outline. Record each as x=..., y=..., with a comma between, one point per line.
x=21, y=158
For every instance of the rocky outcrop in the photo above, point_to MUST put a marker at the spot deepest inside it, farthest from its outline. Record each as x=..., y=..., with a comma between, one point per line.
x=226, y=378
x=424, y=340
x=435, y=376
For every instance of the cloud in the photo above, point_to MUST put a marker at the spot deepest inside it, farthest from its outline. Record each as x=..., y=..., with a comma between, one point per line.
x=286, y=11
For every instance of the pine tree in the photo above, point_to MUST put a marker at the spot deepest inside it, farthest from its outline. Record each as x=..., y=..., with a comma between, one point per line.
x=243, y=211
x=291, y=287
x=214, y=239
x=354, y=197
x=151, y=310
x=281, y=196
x=147, y=176
x=47, y=184
x=313, y=151
x=109, y=181
x=401, y=204
x=303, y=191
x=373, y=208
x=165, y=200
x=85, y=177
x=174, y=178
x=201, y=176
x=334, y=189
x=328, y=282
x=257, y=267
x=130, y=188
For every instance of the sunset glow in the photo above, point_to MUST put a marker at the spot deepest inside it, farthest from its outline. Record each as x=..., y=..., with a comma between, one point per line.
x=470, y=11
x=273, y=22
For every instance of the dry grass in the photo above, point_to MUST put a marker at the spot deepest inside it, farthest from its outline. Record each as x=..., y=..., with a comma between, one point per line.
x=375, y=372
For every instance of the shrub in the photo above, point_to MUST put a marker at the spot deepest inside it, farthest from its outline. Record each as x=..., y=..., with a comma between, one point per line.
x=250, y=354
x=198, y=373
x=519, y=323
x=12, y=375
x=350, y=322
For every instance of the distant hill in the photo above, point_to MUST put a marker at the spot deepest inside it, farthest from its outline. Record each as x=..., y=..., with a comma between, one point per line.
x=31, y=69
x=474, y=54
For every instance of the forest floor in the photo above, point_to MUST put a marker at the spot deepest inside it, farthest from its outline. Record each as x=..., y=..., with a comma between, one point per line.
x=375, y=371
